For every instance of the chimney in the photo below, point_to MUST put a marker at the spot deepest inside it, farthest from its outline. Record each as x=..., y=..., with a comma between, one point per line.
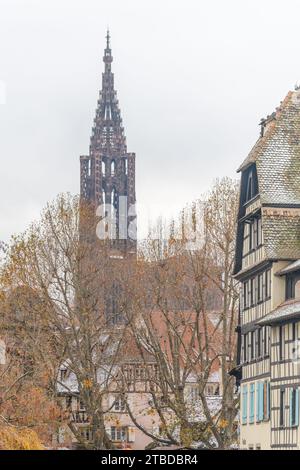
x=265, y=122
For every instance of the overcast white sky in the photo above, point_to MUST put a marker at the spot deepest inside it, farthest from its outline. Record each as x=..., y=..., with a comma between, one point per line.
x=193, y=78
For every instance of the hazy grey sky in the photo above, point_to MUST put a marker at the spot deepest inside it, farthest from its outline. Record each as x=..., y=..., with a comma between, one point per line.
x=193, y=78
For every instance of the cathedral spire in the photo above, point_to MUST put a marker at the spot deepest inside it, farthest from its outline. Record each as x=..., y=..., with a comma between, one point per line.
x=108, y=132
x=108, y=172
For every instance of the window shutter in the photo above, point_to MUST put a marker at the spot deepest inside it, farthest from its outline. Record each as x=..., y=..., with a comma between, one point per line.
x=263, y=286
x=131, y=434
x=244, y=404
x=297, y=408
x=263, y=334
x=261, y=401
x=256, y=343
x=251, y=408
x=256, y=289
x=268, y=401
x=257, y=401
x=291, y=407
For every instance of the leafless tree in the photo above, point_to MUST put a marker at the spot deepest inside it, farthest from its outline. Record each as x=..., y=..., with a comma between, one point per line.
x=188, y=320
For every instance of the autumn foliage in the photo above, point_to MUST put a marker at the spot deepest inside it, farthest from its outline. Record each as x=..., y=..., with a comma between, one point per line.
x=13, y=438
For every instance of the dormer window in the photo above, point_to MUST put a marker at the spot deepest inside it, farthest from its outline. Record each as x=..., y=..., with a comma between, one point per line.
x=249, y=194
x=250, y=184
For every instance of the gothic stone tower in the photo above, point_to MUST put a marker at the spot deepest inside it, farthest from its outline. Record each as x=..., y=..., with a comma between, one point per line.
x=108, y=172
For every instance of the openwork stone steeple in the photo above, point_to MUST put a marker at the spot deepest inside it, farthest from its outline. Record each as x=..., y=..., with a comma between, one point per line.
x=108, y=172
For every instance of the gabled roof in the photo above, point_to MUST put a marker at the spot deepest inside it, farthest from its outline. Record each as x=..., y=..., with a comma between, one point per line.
x=276, y=156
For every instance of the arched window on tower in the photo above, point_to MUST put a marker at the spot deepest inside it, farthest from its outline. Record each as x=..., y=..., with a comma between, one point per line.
x=113, y=168
x=114, y=304
x=113, y=197
x=103, y=167
x=103, y=202
x=107, y=113
x=113, y=214
x=125, y=166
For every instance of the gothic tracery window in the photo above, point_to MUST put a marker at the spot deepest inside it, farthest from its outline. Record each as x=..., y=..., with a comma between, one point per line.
x=113, y=168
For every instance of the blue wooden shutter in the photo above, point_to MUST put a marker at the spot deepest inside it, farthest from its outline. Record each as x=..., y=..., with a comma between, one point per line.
x=261, y=401
x=257, y=401
x=251, y=407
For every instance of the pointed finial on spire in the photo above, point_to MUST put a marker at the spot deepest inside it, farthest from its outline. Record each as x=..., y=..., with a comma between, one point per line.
x=107, y=59
x=107, y=39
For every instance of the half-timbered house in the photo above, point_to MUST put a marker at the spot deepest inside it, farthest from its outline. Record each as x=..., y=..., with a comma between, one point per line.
x=268, y=268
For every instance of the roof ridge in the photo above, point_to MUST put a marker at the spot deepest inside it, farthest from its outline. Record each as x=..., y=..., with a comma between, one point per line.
x=262, y=140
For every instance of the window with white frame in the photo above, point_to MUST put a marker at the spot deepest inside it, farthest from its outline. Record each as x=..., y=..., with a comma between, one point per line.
x=118, y=433
x=119, y=404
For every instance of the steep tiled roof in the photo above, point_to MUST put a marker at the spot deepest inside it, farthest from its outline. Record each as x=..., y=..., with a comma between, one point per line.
x=287, y=311
x=281, y=236
x=278, y=163
x=277, y=158
x=255, y=151
x=277, y=155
